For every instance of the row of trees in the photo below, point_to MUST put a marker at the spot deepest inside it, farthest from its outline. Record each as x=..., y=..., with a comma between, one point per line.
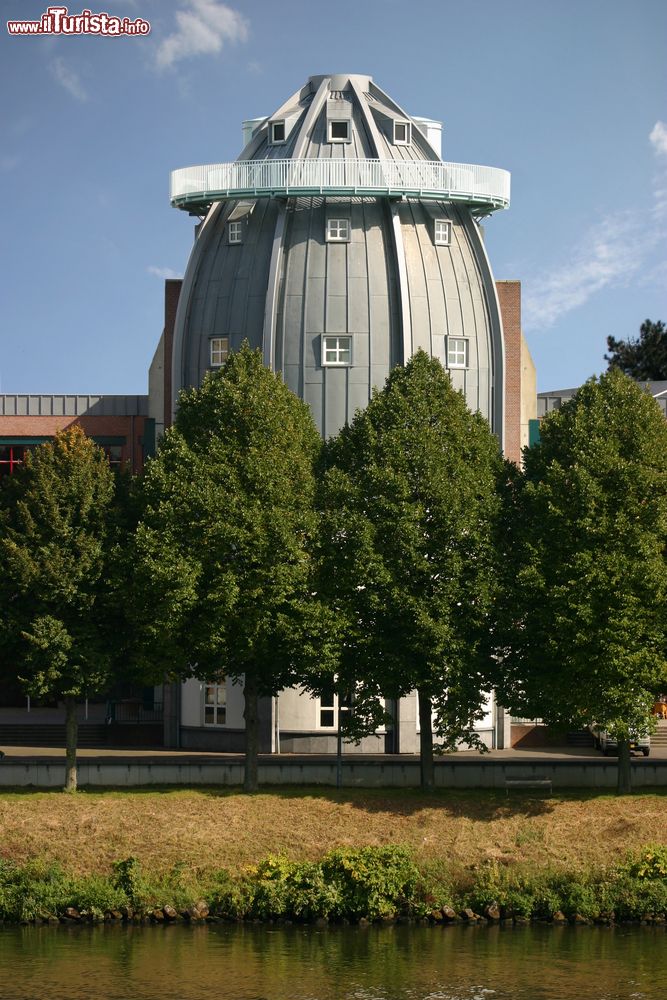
x=403, y=554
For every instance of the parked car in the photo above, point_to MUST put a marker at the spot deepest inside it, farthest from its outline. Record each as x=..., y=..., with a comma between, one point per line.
x=609, y=744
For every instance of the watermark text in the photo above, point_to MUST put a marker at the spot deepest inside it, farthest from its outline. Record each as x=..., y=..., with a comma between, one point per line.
x=59, y=21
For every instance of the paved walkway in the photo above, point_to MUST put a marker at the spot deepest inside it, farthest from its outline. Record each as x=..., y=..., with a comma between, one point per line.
x=162, y=756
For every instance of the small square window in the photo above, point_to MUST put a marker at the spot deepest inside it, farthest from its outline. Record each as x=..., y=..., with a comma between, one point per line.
x=219, y=351
x=336, y=350
x=443, y=233
x=457, y=352
x=339, y=131
x=235, y=232
x=277, y=133
x=338, y=231
x=402, y=133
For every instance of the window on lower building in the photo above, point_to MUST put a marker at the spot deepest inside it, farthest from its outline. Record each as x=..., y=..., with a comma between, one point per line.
x=219, y=348
x=114, y=453
x=336, y=350
x=338, y=230
x=402, y=133
x=457, y=352
x=328, y=707
x=215, y=703
x=235, y=232
x=277, y=133
x=339, y=131
x=327, y=710
x=443, y=232
x=11, y=456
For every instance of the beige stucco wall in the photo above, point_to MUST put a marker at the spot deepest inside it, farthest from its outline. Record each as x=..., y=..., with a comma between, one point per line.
x=528, y=391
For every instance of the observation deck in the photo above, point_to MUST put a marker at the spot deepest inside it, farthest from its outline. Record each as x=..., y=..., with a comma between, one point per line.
x=482, y=189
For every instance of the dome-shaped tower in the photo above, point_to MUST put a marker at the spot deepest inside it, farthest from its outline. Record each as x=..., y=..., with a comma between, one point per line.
x=340, y=244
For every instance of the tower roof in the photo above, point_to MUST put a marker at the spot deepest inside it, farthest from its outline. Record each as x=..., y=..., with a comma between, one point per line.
x=340, y=135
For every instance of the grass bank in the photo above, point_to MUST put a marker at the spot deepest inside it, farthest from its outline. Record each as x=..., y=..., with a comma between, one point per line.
x=208, y=829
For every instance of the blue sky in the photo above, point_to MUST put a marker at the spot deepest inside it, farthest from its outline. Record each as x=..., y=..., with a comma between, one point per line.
x=569, y=95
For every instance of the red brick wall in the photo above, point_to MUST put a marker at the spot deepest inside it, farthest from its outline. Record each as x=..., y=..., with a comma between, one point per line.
x=130, y=427
x=172, y=291
x=509, y=296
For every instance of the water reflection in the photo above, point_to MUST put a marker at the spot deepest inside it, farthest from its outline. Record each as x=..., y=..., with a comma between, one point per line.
x=303, y=963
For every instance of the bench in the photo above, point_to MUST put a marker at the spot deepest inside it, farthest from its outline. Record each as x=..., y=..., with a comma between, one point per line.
x=543, y=783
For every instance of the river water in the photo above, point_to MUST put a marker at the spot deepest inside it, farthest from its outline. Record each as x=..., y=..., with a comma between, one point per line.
x=338, y=963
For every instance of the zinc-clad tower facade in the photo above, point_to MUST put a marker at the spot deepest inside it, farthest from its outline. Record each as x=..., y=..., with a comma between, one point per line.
x=339, y=243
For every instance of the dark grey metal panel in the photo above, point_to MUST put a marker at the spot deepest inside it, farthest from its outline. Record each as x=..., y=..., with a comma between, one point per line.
x=357, y=305
x=335, y=400
x=315, y=305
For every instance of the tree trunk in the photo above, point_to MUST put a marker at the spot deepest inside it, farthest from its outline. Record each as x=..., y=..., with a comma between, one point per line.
x=624, y=786
x=71, y=731
x=251, y=733
x=425, y=741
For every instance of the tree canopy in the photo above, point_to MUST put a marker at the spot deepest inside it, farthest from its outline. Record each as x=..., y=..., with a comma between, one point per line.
x=223, y=546
x=56, y=542
x=645, y=358
x=587, y=582
x=409, y=505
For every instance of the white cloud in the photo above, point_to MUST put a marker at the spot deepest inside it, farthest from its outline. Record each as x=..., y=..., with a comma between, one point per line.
x=162, y=272
x=204, y=26
x=658, y=138
x=617, y=250
x=613, y=251
x=68, y=79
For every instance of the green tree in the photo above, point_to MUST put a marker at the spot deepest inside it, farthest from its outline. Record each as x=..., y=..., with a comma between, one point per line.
x=645, y=358
x=56, y=544
x=409, y=505
x=586, y=588
x=223, y=562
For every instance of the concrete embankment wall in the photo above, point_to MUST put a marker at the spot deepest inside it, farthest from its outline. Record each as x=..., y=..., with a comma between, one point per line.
x=396, y=772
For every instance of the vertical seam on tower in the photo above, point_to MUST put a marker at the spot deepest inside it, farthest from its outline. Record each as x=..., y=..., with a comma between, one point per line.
x=304, y=301
x=437, y=249
x=368, y=297
x=495, y=315
x=399, y=249
x=272, y=292
x=470, y=298
x=421, y=254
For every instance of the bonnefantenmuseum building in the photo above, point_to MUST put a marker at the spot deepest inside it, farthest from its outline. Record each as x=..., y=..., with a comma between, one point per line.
x=339, y=243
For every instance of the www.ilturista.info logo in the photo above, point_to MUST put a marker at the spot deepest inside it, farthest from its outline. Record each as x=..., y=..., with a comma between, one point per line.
x=58, y=21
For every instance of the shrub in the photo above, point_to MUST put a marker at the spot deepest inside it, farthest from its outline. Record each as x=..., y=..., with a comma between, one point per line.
x=373, y=882
x=649, y=863
x=33, y=890
x=95, y=894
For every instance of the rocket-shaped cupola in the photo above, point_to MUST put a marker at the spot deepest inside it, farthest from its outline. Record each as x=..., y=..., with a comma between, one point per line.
x=339, y=243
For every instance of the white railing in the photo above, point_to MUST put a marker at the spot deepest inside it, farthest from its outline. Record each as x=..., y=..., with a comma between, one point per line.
x=486, y=187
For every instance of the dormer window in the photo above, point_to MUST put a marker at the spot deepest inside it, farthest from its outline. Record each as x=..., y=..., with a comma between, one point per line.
x=278, y=133
x=338, y=231
x=402, y=133
x=235, y=232
x=442, y=233
x=339, y=130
